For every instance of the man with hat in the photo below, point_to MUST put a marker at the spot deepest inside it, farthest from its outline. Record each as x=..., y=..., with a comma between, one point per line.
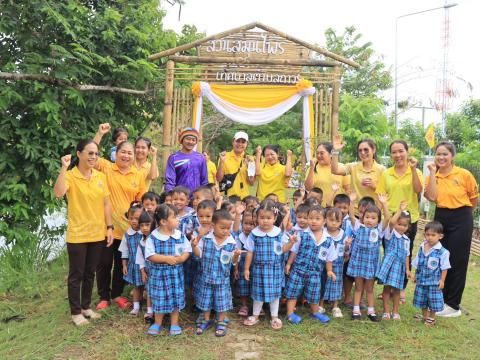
x=186, y=167
x=232, y=173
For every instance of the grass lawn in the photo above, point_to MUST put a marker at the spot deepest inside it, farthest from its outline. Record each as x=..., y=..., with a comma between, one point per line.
x=47, y=333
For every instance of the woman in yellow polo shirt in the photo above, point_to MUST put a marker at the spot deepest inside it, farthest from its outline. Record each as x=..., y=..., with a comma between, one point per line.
x=365, y=173
x=272, y=176
x=402, y=182
x=455, y=192
x=125, y=184
x=89, y=223
x=320, y=174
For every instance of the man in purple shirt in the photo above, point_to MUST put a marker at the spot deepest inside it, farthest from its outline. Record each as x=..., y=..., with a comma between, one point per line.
x=186, y=167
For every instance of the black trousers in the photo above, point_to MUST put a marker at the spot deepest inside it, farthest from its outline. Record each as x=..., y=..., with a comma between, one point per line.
x=458, y=229
x=411, y=233
x=110, y=286
x=83, y=260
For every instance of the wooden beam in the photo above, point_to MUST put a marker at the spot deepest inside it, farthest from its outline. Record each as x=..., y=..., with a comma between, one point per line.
x=315, y=48
x=249, y=60
x=167, y=114
x=201, y=41
x=335, y=100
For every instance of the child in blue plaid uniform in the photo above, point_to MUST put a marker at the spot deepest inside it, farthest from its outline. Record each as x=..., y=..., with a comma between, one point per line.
x=166, y=249
x=242, y=286
x=265, y=249
x=217, y=251
x=395, y=264
x=311, y=253
x=334, y=287
x=128, y=248
x=431, y=264
x=365, y=253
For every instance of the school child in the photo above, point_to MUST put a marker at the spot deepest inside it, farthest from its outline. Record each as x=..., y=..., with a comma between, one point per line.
x=334, y=287
x=166, y=249
x=317, y=194
x=431, y=264
x=365, y=253
x=150, y=201
x=128, y=248
x=242, y=286
x=217, y=252
x=264, y=257
x=145, y=223
x=251, y=202
x=396, y=262
x=297, y=197
x=310, y=254
x=342, y=202
x=119, y=135
x=364, y=202
x=201, y=193
x=272, y=197
x=165, y=198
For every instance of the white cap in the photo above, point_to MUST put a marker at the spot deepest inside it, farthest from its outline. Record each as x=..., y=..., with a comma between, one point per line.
x=240, y=135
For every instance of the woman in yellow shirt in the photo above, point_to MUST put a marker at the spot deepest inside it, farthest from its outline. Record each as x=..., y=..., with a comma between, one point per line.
x=320, y=174
x=455, y=192
x=402, y=182
x=364, y=173
x=125, y=184
x=211, y=169
x=89, y=224
x=272, y=175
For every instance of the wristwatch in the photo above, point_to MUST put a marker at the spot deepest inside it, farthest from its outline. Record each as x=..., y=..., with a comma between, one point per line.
x=110, y=227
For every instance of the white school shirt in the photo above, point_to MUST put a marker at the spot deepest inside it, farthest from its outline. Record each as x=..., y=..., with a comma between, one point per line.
x=250, y=246
x=150, y=247
x=140, y=259
x=336, y=239
x=444, y=260
x=358, y=225
x=211, y=237
x=331, y=252
x=123, y=247
x=390, y=231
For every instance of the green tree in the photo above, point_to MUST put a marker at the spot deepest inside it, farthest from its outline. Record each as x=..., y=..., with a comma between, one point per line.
x=463, y=127
x=67, y=45
x=372, y=76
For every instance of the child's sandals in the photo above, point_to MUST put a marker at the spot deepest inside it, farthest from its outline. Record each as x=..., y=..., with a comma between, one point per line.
x=386, y=316
x=320, y=317
x=294, y=318
x=418, y=317
x=276, y=324
x=154, y=330
x=430, y=322
x=221, y=329
x=251, y=320
x=204, y=326
x=175, y=330
x=243, y=311
x=396, y=316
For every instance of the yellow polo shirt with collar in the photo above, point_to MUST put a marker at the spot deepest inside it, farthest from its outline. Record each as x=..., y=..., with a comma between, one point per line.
x=211, y=170
x=455, y=189
x=357, y=173
x=231, y=165
x=400, y=188
x=123, y=188
x=324, y=179
x=144, y=169
x=272, y=179
x=85, y=206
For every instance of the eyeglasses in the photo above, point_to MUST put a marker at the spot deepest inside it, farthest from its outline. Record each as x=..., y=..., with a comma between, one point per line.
x=364, y=150
x=93, y=154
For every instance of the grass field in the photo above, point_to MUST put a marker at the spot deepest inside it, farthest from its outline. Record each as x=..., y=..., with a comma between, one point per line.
x=43, y=331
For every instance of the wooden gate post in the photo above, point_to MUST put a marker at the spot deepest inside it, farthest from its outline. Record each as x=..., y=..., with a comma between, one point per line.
x=335, y=100
x=167, y=114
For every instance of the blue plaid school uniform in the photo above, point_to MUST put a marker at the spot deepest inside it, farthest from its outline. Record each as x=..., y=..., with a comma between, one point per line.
x=365, y=253
x=285, y=239
x=333, y=289
x=347, y=226
x=216, y=261
x=166, y=283
x=187, y=224
x=427, y=294
x=306, y=274
x=242, y=286
x=133, y=276
x=266, y=271
x=393, y=269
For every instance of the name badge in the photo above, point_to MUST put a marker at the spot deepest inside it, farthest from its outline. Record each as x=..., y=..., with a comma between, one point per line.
x=373, y=237
x=322, y=254
x=226, y=257
x=341, y=250
x=433, y=263
x=179, y=249
x=277, y=248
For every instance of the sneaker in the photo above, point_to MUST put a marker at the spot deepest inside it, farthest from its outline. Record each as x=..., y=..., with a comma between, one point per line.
x=356, y=316
x=321, y=310
x=336, y=312
x=102, y=305
x=79, y=320
x=449, y=312
x=89, y=313
x=373, y=317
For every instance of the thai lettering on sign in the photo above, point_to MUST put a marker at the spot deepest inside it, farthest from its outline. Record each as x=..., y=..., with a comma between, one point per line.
x=262, y=46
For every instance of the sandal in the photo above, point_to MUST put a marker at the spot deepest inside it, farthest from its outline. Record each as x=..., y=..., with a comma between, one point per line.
x=79, y=320
x=154, y=330
x=102, y=305
x=430, y=322
x=418, y=317
x=294, y=318
x=276, y=324
x=251, y=320
x=204, y=326
x=148, y=318
x=396, y=317
x=243, y=311
x=386, y=316
x=122, y=303
x=221, y=329
x=320, y=317
x=175, y=330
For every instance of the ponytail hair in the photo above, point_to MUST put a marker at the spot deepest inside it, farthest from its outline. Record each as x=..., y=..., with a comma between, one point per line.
x=80, y=146
x=163, y=212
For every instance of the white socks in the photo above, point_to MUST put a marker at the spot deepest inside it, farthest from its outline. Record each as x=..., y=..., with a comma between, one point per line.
x=274, y=305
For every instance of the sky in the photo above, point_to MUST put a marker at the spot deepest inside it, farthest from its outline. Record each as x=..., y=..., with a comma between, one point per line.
x=420, y=37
